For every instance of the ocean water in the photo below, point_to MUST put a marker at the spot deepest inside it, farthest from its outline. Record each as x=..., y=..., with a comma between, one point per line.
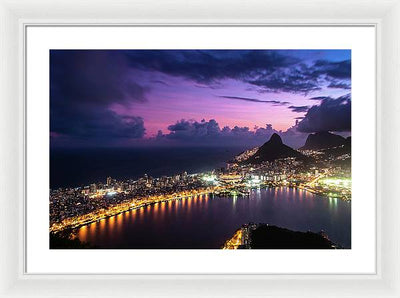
x=73, y=167
x=208, y=221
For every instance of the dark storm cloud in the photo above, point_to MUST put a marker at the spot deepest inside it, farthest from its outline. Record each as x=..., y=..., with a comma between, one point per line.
x=210, y=66
x=333, y=114
x=275, y=102
x=336, y=70
x=302, y=78
x=339, y=85
x=98, y=77
x=100, y=124
x=299, y=109
x=271, y=71
x=320, y=98
x=83, y=84
x=294, y=79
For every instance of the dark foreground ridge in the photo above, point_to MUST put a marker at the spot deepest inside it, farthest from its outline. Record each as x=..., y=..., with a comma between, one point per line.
x=272, y=237
x=65, y=240
x=264, y=236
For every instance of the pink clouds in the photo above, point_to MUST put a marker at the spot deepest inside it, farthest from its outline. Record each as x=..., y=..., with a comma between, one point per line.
x=172, y=99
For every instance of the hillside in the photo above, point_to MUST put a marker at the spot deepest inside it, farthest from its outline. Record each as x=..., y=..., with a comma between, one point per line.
x=274, y=149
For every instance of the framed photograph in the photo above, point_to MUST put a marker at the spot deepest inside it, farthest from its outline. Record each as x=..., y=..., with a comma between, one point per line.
x=163, y=152
x=197, y=154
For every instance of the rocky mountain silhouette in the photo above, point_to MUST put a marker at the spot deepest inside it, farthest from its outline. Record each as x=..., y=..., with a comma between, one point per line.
x=274, y=149
x=323, y=140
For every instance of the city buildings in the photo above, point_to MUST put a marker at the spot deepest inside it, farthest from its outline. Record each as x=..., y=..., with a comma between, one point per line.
x=328, y=175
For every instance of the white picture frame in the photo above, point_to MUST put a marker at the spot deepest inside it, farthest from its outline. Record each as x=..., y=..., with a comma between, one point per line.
x=15, y=16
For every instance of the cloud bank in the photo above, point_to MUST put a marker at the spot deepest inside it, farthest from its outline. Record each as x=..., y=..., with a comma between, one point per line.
x=83, y=84
x=209, y=134
x=333, y=114
x=271, y=71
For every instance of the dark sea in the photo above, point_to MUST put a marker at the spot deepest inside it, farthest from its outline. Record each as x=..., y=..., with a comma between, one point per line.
x=206, y=222
x=73, y=167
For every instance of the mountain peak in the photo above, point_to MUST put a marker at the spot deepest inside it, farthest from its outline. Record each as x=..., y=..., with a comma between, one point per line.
x=273, y=149
x=276, y=139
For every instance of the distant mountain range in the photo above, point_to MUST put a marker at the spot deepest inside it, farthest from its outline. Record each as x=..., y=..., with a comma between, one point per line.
x=323, y=140
x=274, y=149
x=345, y=148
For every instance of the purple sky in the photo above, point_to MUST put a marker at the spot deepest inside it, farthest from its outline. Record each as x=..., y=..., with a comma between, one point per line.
x=130, y=98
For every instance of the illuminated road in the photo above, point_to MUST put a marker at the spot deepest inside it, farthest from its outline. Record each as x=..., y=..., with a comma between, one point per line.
x=235, y=241
x=133, y=204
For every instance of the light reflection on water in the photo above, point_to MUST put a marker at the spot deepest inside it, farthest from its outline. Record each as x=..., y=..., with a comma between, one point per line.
x=207, y=221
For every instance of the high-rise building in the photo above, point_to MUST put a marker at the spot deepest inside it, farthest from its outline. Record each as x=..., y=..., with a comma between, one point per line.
x=93, y=188
x=109, y=181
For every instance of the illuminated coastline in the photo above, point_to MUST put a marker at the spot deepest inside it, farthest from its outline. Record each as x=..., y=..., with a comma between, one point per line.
x=134, y=204
x=233, y=185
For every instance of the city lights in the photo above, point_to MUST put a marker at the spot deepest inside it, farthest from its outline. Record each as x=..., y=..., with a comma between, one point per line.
x=210, y=178
x=74, y=207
